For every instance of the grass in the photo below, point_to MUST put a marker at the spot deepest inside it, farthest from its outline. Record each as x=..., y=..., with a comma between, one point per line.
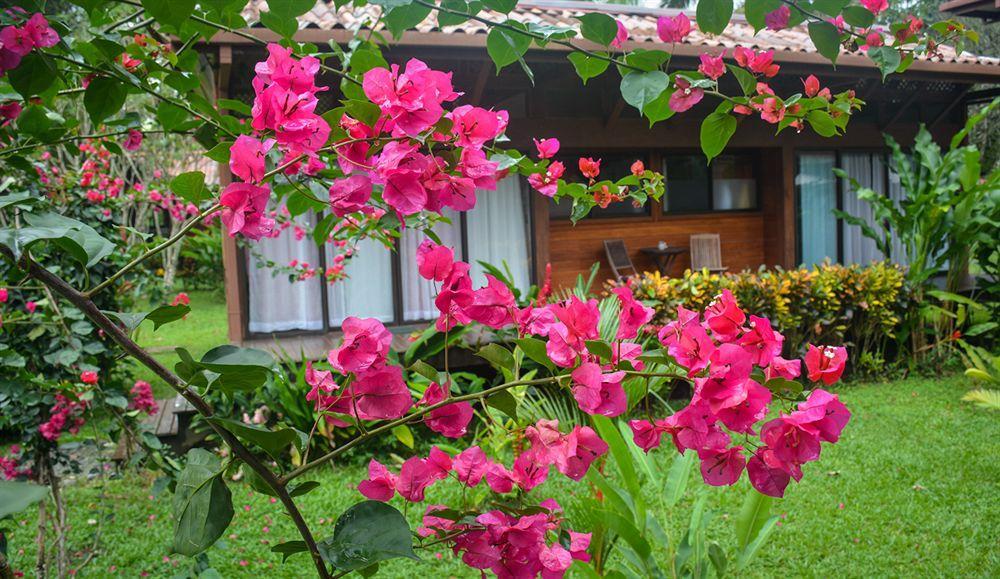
x=910, y=490
x=201, y=330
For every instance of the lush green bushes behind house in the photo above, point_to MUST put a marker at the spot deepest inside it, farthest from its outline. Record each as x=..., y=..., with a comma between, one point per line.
x=860, y=306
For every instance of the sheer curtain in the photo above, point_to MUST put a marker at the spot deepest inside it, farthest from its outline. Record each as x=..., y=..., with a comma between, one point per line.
x=897, y=194
x=869, y=171
x=276, y=304
x=367, y=292
x=817, y=200
x=418, y=293
x=497, y=230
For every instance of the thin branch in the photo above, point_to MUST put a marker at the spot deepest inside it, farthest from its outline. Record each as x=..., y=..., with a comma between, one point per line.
x=155, y=250
x=11, y=151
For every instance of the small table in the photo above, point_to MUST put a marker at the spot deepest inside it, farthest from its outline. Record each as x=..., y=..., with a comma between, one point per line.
x=664, y=258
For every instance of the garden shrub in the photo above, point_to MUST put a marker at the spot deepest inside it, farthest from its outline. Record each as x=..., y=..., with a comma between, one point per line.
x=861, y=306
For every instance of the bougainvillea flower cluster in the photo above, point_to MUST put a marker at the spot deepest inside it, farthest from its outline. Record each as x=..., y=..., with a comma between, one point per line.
x=17, y=41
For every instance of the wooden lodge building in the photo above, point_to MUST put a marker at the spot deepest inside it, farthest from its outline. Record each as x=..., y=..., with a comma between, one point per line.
x=768, y=197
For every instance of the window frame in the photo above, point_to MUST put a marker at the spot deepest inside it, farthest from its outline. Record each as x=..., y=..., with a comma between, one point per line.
x=754, y=157
x=242, y=271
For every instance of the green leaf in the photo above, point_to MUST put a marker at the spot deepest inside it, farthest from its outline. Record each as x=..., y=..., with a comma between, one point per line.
x=190, y=186
x=598, y=27
x=238, y=368
x=402, y=18
x=783, y=387
x=425, y=370
x=677, y=478
x=830, y=7
x=290, y=8
x=858, y=16
x=748, y=83
x=289, y=548
x=365, y=111
x=172, y=117
x=619, y=450
x=886, y=58
x=305, y=487
x=203, y=505
x=32, y=76
x=170, y=12
x=752, y=516
x=17, y=496
x=713, y=15
x=822, y=123
x=79, y=240
x=826, y=39
x=285, y=26
x=534, y=349
x=505, y=47
x=587, y=67
x=641, y=88
x=273, y=442
x=367, y=533
x=600, y=349
x=160, y=316
x=446, y=19
x=756, y=10
x=104, y=98
x=501, y=6
x=647, y=59
x=716, y=130
x=498, y=356
x=404, y=435
x=748, y=553
x=220, y=152
x=504, y=402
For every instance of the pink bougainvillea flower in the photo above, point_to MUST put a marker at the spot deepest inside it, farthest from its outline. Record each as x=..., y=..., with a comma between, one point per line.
x=350, y=194
x=528, y=472
x=599, y=393
x=633, y=315
x=741, y=416
x=811, y=85
x=589, y=168
x=414, y=477
x=684, y=96
x=434, y=261
x=688, y=344
x=793, y=443
x=694, y=427
x=761, y=342
x=621, y=36
x=756, y=62
x=30, y=306
x=876, y=7
x=825, y=363
x=712, y=66
x=181, y=299
x=133, y=140
x=493, y=305
x=10, y=111
x=780, y=367
x=778, y=19
x=366, y=345
x=825, y=413
x=577, y=323
x=244, y=206
x=142, y=398
x=16, y=40
x=246, y=158
x=473, y=126
x=499, y=479
x=88, y=377
x=548, y=183
x=582, y=448
x=724, y=317
x=673, y=28
x=42, y=35
x=645, y=434
x=451, y=420
x=471, y=465
x=546, y=441
x=637, y=168
x=547, y=148
x=4, y=295
x=773, y=111
x=381, y=393
x=380, y=484
x=768, y=480
x=412, y=98
x=722, y=467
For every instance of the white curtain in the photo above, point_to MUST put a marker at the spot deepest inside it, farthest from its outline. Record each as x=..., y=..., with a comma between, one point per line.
x=897, y=194
x=869, y=171
x=497, y=230
x=418, y=293
x=817, y=200
x=277, y=305
x=367, y=292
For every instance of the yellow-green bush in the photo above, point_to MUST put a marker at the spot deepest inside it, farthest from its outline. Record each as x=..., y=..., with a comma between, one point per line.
x=860, y=306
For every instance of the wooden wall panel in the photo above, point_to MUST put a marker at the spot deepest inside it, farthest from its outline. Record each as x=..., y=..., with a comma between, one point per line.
x=573, y=249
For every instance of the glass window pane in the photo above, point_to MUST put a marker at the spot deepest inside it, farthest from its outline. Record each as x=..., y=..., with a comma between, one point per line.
x=498, y=232
x=367, y=291
x=687, y=184
x=733, y=183
x=276, y=304
x=419, y=293
x=817, y=187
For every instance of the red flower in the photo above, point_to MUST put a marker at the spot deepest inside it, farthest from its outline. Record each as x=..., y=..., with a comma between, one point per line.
x=589, y=167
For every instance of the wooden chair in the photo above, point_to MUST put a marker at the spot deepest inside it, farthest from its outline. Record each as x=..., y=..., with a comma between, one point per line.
x=618, y=259
x=706, y=253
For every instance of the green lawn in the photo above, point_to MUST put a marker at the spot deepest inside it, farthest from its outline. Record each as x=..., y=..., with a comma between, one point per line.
x=911, y=490
x=201, y=330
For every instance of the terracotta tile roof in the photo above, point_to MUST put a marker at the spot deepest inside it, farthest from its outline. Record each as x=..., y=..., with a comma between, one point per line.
x=640, y=21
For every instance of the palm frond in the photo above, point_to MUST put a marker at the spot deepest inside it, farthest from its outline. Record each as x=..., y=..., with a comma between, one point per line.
x=984, y=397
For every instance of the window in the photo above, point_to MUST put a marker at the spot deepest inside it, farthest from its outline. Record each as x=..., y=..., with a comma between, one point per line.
x=613, y=167
x=728, y=184
x=821, y=235
x=384, y=284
